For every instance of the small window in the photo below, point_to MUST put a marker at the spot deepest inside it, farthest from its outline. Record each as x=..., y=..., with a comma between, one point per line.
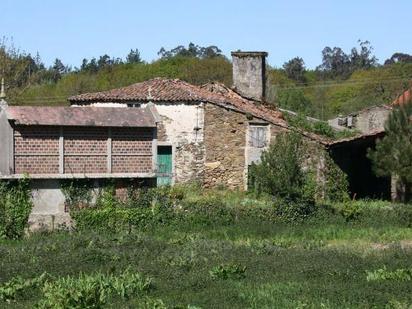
x=258, y=137
x=133, y=105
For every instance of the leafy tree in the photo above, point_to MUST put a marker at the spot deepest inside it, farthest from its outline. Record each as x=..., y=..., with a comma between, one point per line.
x=293, y=99
x=295, y=69
x=192, y=51
x=335, y=63
x=363, y=58
x=393, y=153
x=134, y=56
x=399, y=58
x=58, y=69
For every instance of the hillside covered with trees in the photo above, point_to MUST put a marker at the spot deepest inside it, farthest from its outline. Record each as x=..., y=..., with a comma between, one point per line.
x=342, y=83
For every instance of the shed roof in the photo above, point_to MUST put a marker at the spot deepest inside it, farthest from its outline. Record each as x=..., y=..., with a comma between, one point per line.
x=81, y=116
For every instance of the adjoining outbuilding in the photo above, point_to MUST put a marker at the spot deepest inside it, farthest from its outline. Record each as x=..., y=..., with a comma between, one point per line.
x=51, y=144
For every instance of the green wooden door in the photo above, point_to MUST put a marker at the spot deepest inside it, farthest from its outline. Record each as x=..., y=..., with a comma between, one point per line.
x=164, y=165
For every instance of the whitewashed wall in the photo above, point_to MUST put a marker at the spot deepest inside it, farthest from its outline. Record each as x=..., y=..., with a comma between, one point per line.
x=182, y=128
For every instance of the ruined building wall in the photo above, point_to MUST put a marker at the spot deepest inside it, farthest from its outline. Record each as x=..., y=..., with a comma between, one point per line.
x=225, y=147
x=372, y=119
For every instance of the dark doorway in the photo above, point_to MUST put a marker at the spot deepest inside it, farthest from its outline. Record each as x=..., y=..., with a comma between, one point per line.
x=351, y=157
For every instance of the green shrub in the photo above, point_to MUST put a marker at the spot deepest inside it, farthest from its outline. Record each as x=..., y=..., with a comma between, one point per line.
x=92, y=291
x=205, y=211
x=15, y=207
x=77, y=192
x=280, y=171
x=383, y=274
x=10, y=290
x=336, y=185
x=228, y=271
x=294, y=210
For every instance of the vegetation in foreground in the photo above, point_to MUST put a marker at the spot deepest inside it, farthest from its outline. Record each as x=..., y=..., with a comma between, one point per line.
x=231, y=252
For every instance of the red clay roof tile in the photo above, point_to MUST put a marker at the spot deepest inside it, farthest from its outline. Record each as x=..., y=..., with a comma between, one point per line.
x=81, y=116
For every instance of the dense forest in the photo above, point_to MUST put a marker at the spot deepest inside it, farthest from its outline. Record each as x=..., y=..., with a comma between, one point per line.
x=342, y=83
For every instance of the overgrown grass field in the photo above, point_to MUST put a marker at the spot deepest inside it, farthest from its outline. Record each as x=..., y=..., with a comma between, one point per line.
x=356, y=256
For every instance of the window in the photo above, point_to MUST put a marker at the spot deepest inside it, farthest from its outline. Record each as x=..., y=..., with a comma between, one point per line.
x=258, y=136
x=133, y=105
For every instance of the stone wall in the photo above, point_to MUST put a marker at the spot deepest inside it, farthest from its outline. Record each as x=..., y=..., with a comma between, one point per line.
x=225, y=132
x=372, y=119
x=249, y=74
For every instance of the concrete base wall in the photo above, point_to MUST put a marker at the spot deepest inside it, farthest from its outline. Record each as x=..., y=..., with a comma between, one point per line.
x=48, y=206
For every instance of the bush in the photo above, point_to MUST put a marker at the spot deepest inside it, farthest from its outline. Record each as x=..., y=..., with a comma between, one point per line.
x=10, y=290
x=383, y=274
x=281, y=175
x=295, y=210
x=280, y=171
x=15, y=208
x=206, y=211
x=230, y=271
x=92, y=291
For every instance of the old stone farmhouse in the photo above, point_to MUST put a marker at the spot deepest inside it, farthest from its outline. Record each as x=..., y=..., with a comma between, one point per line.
x=160, y=131
x=167, y=131
x=209, y=134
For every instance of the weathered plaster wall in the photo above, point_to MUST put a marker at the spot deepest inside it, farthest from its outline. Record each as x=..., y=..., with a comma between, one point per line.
x=366, y=121
x=225, y=141
x=249, y=74
x=48, y=206
x=6, y=145
x=182, y=128
x=372, y=119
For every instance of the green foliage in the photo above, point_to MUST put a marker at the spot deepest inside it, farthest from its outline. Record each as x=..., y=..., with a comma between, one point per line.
x=295, y=210
x=393, y=153
x=383, y=274
x=295, y=69
x=77, y=192
x=92, y=291
x=228, y=271
x=280, y=174
x=15, y=208
x=13, y=288
x=300, y=121
x=336, y=186
x=319, y=262
x=280, y=171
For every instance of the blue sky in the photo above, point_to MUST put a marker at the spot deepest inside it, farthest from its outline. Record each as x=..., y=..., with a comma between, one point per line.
x=73, y=30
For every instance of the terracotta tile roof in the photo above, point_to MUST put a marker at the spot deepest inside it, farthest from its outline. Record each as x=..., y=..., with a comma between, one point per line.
x=175, y=90
x=81, y=116
x=403, y=98
x=255, y=108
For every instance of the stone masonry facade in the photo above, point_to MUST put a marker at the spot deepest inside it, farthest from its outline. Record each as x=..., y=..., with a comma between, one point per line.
x=224, y=138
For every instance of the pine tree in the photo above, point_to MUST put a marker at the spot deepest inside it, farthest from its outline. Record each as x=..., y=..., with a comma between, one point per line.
x=393, y=154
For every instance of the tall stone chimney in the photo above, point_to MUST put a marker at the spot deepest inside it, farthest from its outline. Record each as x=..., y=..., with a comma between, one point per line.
x=249, y=74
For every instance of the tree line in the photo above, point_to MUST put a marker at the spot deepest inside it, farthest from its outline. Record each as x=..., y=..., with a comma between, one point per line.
x=343, y=82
